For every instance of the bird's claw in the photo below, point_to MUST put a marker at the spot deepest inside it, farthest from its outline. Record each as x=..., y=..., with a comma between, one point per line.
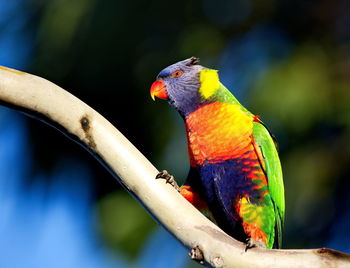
x=251, y=243
x=168, y=179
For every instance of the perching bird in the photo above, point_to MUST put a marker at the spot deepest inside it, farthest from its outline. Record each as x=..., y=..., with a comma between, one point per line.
x=235, y=173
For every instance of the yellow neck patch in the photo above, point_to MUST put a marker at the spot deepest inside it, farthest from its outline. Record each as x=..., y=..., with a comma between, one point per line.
x=209, y=80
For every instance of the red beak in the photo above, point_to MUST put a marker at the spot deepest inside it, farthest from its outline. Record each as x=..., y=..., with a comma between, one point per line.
x=158, y=89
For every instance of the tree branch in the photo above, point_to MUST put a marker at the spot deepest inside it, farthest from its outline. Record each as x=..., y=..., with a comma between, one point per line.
x=46, y=101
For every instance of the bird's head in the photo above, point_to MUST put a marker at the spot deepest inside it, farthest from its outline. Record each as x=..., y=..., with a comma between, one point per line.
x=185, y=85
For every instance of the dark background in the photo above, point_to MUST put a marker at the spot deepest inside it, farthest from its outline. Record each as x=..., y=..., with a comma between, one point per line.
x=288, y=61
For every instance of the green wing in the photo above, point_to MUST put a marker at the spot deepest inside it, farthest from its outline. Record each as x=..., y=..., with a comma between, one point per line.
x=273, y=170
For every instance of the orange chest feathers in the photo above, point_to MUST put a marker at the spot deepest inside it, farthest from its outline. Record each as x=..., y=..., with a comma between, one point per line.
x=217, y=132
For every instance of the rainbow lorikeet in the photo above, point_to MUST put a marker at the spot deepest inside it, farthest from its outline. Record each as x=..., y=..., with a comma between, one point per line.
x=235, y=174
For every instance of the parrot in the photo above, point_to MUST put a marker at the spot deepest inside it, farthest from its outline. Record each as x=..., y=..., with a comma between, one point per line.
x=235, y=175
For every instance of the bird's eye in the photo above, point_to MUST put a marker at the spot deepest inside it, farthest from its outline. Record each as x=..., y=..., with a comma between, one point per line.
x=177, y=73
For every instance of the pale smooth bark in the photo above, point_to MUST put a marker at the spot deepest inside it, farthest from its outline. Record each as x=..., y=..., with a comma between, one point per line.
x=46, y=101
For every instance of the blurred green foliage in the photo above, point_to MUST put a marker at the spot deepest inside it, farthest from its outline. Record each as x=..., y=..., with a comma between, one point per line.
x=126, y=229
x=296, y=92
x=108, y=52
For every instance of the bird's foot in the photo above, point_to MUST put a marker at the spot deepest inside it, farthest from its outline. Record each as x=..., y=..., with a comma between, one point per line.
x=168, y=178
x=197, y=255
x=252, y=243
